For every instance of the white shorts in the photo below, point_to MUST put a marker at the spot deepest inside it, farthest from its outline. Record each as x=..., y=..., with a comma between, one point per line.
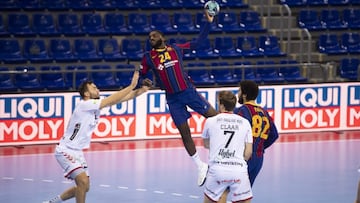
x=71, y=161
x=220, y=177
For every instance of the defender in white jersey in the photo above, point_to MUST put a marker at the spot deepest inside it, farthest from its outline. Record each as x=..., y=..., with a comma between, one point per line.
x=229, y=139
x=77, y=136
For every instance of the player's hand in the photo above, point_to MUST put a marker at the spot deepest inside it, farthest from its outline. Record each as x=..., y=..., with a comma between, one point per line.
x=135, y=78
x=147, y=82
x=209, y=18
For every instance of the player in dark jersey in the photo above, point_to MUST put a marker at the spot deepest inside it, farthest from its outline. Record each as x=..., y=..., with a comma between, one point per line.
x=166, y=63
x=264, y=130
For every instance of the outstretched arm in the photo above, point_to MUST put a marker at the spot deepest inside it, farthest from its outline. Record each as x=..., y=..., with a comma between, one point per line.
x=204, y=32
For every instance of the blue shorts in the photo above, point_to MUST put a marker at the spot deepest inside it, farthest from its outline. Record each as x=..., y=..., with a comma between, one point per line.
x=178, y=103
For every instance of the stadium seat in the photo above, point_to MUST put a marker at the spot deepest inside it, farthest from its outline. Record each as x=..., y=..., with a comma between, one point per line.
x=102, y=5
x=7, y=5
x=355, y=2
x=61, y=50
x=52, y=78
x=35, y=51
x=126, y=4
x=115, y=24
x=69, y=25
x=3, y=31
x=103, y=77
x=250, y=21
x=31, y=5
x=291, y=72
x=184, y=24
x=232, y=4
x=150, y=4
x=269, y=46
x=132, y=49
x=75, y=75
x=338, y=2
x=124, y=73
x=139, y=23
x=205, y=50
x=188, y=54
x=223, y=74
x=317, y=2
x=81, y=5
x=293, y=3
x=241, y=72
x=310, y=19
x=225, y=47
x=351, y=42
x=109, y=50
x=85, y=50
x=162, y=22
x=247, y=46
x=192, y=4
x=200, y=19
x=6, y=81
x=19, y=24
x=44, y=25
x=200, y=77
x=352, y=17
x=55, y=5
x=92, y=24
x=268, y=73
x=329, y=44
x=10, y=51
x=166, y=4
x=350, y=68
x=331, y=19
x=228, y=22
x=27, y=80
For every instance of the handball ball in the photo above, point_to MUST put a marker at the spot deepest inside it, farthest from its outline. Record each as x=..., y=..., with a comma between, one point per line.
x=212, y=7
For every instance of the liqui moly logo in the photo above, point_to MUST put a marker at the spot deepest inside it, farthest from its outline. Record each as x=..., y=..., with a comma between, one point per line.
x=353, y=106
x=311, y=107
x=38, y=118
x=115, y=121
x=159, y=121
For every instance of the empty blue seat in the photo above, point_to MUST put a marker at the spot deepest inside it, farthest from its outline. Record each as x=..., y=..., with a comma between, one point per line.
x=351, y=42
x=56, y=5
x=166, y=4
x=223, y=73
x=61, y=50
x=85, y=50
x=75, y=75
x=228, y=22
x=19, y=24
x=139, y=23
x=331, y=19
x=247, y=46
x=52, y=78
x=339, y=2
x=102, y=5
x=350, y=68
x=81, y=5
x=161, y=21
x=27, y=79
x=92, y=24
x=293, y=3
x=202, y=76
x=205, y=50
x=124, y=73
x=3, y=31
x=126, y=4
x=269, y=46
x=109, y=50
x=150, y=4
x=6, y=81
x=225, y=47
x=9, y=5
x=68, y=24
x=44, y=25
x=355, y=2
x=250, y=21
x=244, y=71
x=291, y=72
x=10, y=51
x=115, y=24
x=132, y=49
x=352, y=17
x=31, y=5
x=329, y=44
x=200, y=19
x=232, y=4
x=184, y=23
x=35, y=51
x=317, y=2
x=192, y=4
x=310, y=20
x=103, y=77
x=268, y=73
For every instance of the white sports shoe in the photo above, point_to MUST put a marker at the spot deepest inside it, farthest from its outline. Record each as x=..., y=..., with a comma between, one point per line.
x=202, y=172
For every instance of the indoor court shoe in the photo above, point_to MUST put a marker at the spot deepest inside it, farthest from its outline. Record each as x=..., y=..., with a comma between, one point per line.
x=202, y=174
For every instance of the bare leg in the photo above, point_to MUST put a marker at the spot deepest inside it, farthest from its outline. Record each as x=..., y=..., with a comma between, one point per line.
x=224, y=197
x=78, y=191
x=188, y=142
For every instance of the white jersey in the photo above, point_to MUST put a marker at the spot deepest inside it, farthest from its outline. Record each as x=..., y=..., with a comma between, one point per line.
x=228, y=134
x=82, y=124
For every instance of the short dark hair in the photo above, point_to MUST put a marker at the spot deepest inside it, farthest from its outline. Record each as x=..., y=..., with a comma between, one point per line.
x=159, y=31
x=250, y=88
x=83, y=87
x=228, y=99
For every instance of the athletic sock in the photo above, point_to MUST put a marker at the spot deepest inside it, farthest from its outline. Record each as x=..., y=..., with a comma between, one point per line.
x=197, y=160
